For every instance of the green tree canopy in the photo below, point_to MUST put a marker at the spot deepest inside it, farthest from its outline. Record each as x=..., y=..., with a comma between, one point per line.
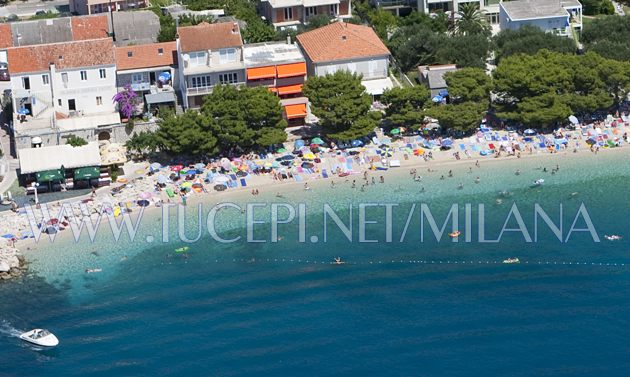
x=76, y=141
x=405, y=105
x=469, y=84
x=141, y=142
x=471, y=21
x=341, y=104
x=529, y=40
x=539, y=90
x=246, y=117
x=595, y=7
x=465, y=116
x=609, y=37
x=191, y=133
x=383, y=22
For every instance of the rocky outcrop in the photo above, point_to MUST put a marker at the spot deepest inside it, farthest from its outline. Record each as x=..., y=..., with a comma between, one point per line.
x=12, y=263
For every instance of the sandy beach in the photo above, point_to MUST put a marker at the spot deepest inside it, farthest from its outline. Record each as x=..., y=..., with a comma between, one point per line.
x=140, y=183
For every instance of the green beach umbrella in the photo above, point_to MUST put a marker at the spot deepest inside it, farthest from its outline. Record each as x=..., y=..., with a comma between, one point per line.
x=317, y=141
x=282, y=150
x=395, y=131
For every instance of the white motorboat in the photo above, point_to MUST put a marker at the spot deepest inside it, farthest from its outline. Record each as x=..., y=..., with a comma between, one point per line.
x=40, y=337
x=511, y=261
x=538, y=182
x=614, y=237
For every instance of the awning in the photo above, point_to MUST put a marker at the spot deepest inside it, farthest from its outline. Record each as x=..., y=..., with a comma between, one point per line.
x=162, y=97
x=261, y=73
x=33, y=160
x=290, y=89
x=87, y=173
x=291, y=70
x=49, y=175
x=377, y=87
x=295, y=111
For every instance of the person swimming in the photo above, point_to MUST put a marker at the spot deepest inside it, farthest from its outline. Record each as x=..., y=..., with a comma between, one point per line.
x=338, y=261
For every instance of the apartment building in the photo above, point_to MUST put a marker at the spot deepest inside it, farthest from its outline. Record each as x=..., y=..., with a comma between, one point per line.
x=290, y=13
x=209, y=55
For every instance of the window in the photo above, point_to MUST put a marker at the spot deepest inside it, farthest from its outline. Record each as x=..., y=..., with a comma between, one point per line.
x=102, y=73
x=99, y=101
x=334, y=9
x=83, y=75
x=227, y=55
x=288, y=13
x=197, y=59
x=26, y=83
x=129, y=54
x=310, y=11
x=228, y=78
x=137, y=78
x=160, y=51
x=200, y=81
x=45, y=79
x=64, y=78
x=72, y=106
x=59, y=102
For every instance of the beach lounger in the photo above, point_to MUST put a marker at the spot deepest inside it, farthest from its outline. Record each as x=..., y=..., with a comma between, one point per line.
x=232, y=184
x=243, y=182
x=324, y=173
x=169, y=192
x=233, y=177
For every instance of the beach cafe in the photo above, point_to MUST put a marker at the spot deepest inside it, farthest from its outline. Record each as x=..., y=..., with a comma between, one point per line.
x=61, y=167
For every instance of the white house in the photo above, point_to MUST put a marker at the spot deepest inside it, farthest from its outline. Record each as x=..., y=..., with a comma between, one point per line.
x=290, y=13
x=344, y=46
x=556, y=17
x=209, y=55
x=65, y=86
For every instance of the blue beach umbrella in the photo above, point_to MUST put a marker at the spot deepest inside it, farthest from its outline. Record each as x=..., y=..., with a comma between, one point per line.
x=164, y=77
x=443, y=93
x=447, y=142
x=356, y=143
x=200, y=166
x=23, y=111
x=299, y=143
x=155, y=166
x=438, y=99
x=529, y=132
x=162, y=179
x=8, y=236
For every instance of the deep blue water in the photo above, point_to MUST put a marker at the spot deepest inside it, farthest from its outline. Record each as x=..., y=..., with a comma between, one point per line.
x=400, y=309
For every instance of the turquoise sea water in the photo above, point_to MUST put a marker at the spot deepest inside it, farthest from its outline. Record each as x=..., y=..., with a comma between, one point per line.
x=406, y=308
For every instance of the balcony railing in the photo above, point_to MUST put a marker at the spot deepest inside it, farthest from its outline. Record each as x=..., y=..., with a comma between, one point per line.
x=199, y=90
x=140, y=86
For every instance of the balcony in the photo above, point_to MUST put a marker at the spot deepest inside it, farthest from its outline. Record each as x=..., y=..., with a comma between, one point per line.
x=200, y=90
x=140, y=86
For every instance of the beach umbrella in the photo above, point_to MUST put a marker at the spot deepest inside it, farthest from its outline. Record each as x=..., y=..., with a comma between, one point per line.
x=52, y=221
x=282, y=150
x=443, y=93
x=395, y=131
x=220, y=187
x=418, y=152
x=573, y=119
x=220, y=179
x=164, y=77
x=356, y=143
x=529, y=132
x=162, y=179
x=286, y=163
x=308, y=156
x=143, y=203
x=50, y=230
x=241, y=173
x=307, y=165
x=200, y=166
x=447, y=143
x=155, y=166
x=299, y=144
x=177, y=167
x=287, y=157
x=317, y=141
x=23, y=111
x=591, y=141
x=437, y=99
x=8, y=236
x=145, y=195
x=186, y=184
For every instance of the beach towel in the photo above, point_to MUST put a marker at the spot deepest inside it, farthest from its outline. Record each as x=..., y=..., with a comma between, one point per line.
x=476, y=148
x=232, y=184
x=491, y=146
x=243, y=182
x=324, y=173
x=349, y=165
x=462, y=147
x=169, y=192
x=233, y=177
x=297, y=177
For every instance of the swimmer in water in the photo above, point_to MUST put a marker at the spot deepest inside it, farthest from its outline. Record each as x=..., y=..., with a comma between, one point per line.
x=338, y=261
x=517, y=172
x=499, y=201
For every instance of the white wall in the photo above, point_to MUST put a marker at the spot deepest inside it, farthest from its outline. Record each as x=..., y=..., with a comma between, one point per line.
x=369, y=68
x=84, y=92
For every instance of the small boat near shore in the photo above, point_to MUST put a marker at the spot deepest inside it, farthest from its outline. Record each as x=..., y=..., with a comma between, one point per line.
x=40, y=337
x=93, y=270
x=538, y=182
x=613, y=237
x=511, y=261
x=455, y=234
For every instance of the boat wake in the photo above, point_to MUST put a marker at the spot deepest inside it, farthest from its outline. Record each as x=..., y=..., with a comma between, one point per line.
x=7, y=329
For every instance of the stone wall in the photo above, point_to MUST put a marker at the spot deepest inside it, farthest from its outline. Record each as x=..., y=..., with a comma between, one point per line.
x=12, y=263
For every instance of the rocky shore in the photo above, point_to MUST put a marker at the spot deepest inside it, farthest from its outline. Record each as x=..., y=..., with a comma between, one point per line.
x=12, y=263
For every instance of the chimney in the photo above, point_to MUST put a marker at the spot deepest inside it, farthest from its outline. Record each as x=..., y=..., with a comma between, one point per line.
x=235, y=28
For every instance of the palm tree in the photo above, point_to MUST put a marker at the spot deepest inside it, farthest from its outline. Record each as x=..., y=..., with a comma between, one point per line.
x=471, y=20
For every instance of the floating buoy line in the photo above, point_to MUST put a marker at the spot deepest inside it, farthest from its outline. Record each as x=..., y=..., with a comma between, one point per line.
x=419, y=262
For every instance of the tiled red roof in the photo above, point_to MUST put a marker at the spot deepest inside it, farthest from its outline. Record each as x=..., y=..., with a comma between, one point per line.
x=6, y=36
x=90, y=27
x=146, y=56
x=207, y=36
x=64, y=55
x=341, y=41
